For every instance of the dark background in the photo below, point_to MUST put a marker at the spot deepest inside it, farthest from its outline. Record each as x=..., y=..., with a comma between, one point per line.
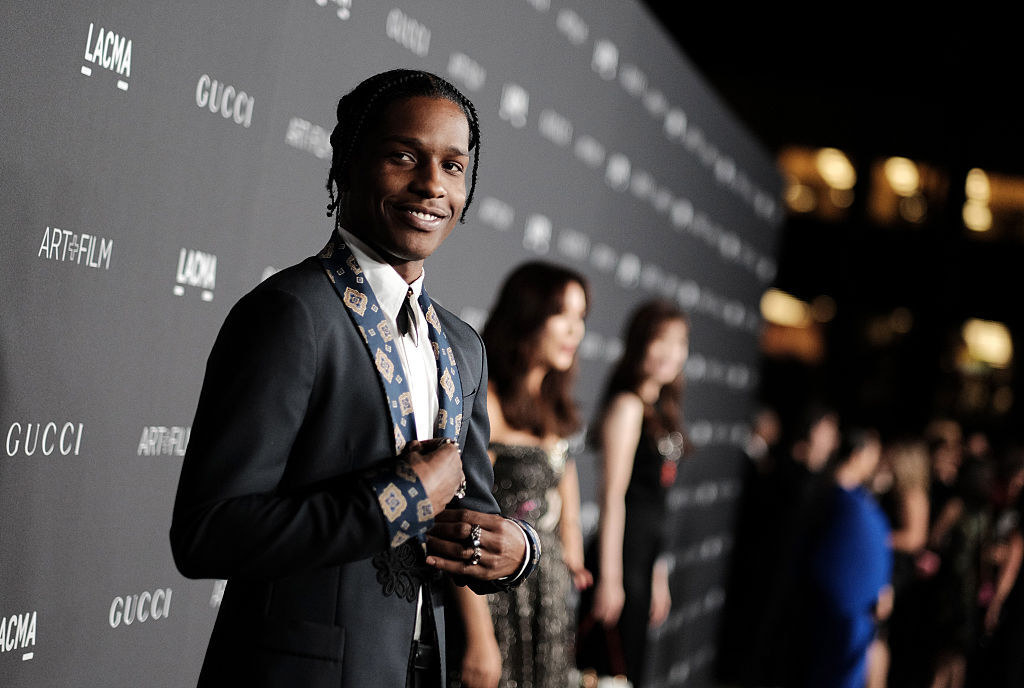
x=936, y=87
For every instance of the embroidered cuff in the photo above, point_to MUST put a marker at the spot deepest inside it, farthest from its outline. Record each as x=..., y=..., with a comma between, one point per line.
x=531, y=559
x=404, y=502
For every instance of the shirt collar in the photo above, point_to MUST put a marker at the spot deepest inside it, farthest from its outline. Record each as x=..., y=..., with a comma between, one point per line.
x=388, y=286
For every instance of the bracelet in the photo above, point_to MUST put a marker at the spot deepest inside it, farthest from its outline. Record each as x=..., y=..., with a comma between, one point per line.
x=532, y=556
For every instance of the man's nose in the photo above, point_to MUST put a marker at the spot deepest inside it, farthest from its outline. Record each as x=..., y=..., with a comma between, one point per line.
x=429, y=182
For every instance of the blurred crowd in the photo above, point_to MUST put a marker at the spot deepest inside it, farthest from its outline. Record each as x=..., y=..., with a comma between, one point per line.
x=861, y=560
x=865, y=560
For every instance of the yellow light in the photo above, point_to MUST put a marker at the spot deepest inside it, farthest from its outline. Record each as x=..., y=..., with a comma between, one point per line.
x=800, y=198
x=977, y=216
x=835, y=168
x=977, y=186
x=841, y=198
x=989, y=342
x=902, y=176
x=913, y=208
x=781, y=308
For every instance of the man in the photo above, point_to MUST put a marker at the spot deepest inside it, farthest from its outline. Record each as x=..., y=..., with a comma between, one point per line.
x=323, y=477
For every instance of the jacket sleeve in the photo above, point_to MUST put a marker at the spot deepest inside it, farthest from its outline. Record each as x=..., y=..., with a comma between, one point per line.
x=230, y=518
x=476, y=464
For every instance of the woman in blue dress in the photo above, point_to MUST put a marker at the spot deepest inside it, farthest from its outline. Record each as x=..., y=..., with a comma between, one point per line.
x=846, y=572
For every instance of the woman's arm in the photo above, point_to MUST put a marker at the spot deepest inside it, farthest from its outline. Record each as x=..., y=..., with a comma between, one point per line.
x=1007, y=577
x=620, y=434
x=949, y=515
x=569, y=527
x=481, y=665
x=913, y=536
x=661, y=597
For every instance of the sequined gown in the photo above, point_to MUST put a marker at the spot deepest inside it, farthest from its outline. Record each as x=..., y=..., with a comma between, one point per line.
x=533, y=623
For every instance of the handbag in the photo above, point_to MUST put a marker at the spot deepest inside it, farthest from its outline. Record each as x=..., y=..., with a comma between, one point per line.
x=600, y=656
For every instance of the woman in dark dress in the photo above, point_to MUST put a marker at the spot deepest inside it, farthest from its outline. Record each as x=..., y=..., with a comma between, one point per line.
x=641, y=440
x=525, y=637
x=907, y=507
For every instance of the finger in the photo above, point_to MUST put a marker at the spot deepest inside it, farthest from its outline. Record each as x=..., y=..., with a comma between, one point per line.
x=458, y=551
x=448, y=549
x=486, y=521
x=453, y=516
x=439, y=444
x=455, y=532
x=460, y=567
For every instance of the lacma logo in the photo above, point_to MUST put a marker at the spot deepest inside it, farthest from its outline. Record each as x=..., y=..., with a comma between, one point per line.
x=514, y=105
x=408, y=32
x=18, y=633
x=196, y=269
x=106, y=49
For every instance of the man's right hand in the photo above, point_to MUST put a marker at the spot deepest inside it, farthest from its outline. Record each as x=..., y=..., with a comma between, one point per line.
x=438, y=465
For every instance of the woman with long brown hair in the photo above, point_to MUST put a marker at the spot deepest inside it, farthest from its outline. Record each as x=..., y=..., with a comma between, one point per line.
x=532, y=335
x=641, y=440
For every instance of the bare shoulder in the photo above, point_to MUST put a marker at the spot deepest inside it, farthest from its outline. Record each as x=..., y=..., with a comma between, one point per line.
x=625, y=406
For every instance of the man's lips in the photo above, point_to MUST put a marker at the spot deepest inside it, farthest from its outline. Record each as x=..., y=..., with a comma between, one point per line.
x=424, y=218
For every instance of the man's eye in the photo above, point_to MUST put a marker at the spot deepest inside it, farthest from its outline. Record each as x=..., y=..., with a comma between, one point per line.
x=454, y=167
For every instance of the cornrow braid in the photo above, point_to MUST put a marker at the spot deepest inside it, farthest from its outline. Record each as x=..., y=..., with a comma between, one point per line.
x=365, y=102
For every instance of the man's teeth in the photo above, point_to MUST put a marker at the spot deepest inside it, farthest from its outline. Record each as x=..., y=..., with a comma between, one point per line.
x=424, y=216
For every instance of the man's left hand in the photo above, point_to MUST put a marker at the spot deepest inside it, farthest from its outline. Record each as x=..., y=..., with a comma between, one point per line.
x=450, y=544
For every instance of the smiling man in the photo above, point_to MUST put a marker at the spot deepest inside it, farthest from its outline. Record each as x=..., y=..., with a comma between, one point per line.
x=337, y=467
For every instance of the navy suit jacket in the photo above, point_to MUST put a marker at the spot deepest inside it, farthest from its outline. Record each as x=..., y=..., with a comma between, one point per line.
x=272, y=495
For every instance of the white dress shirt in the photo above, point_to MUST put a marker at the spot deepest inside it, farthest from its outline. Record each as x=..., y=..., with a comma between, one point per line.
x=417, y=359
x=418, y=362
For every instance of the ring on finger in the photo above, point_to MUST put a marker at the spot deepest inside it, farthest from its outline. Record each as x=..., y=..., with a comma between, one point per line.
x=474, y=535
x=461, y=492
x=475, y=559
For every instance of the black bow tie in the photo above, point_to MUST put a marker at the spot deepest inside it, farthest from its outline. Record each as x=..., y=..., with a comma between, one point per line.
x=406, y=319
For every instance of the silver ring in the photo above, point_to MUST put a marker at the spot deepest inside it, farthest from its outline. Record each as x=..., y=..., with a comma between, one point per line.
x=461, y=492
x=474, y=535
x=475, y=559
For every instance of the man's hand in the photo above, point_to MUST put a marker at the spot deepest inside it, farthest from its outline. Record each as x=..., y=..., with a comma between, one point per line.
x=450, y=548
x=438, y=465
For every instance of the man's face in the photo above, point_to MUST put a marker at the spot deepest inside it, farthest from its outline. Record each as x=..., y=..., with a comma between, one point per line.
x=407, y=181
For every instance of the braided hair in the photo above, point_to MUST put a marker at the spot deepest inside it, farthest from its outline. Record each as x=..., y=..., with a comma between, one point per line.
x=362, y=106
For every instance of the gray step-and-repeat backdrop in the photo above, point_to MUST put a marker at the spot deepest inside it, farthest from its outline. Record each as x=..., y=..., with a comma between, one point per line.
x=160, y=159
